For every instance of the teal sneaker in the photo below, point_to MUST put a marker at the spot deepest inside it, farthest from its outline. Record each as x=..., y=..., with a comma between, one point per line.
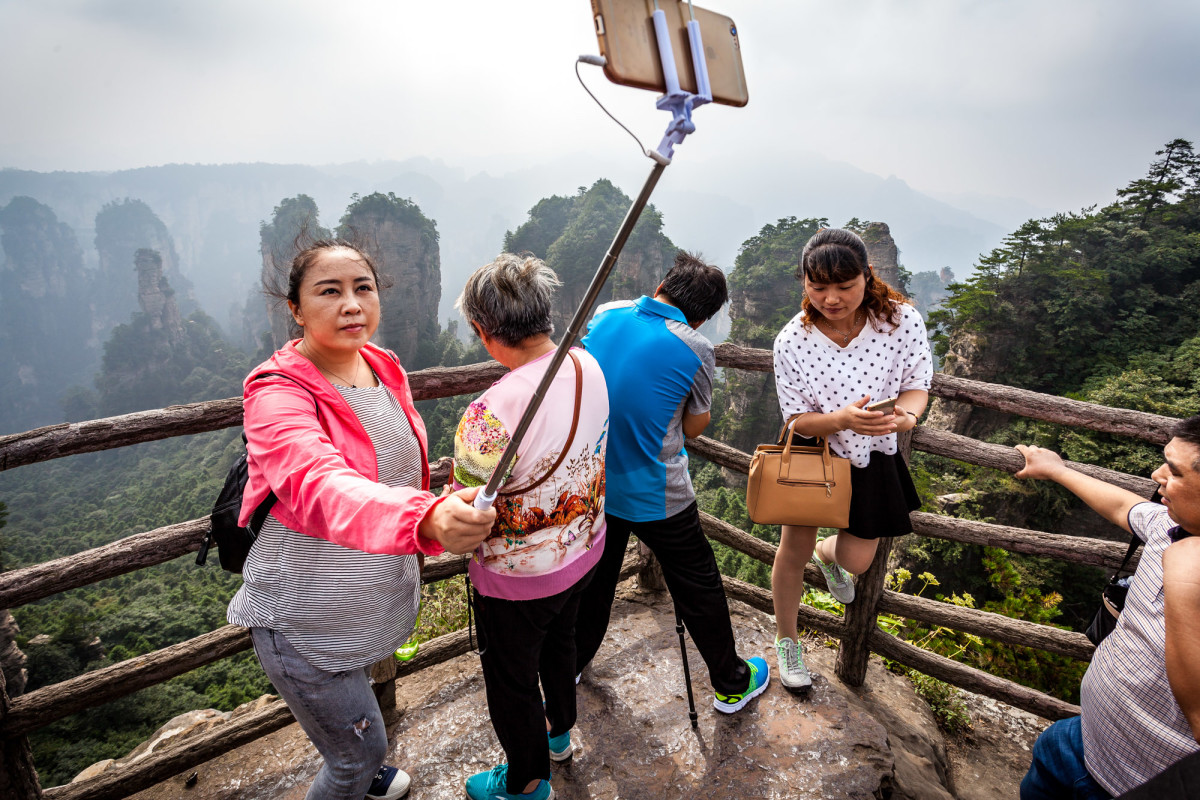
x=760, y=675
x=492, y=785
x=560, y=746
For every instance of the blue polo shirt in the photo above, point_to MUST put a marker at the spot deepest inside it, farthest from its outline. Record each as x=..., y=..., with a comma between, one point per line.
x=656, y=367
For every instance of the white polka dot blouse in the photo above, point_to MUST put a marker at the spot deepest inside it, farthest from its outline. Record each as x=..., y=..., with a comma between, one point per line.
x=812, y=373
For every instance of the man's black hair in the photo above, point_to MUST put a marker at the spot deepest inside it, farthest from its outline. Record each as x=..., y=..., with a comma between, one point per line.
x=1188, y=430
x=695, y=288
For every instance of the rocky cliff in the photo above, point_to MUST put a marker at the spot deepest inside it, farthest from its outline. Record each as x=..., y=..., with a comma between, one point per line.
x=968, y=356
x=293, y=222
x=12, y=660
x=157, y=357
x=123, y=228
x=46, y=341
x=156, y=298
x=634, y=741
x=404, y=244
x=882, y=251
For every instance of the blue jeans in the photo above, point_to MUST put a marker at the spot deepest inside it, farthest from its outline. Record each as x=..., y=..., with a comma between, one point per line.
x=337, y=710
x=1058, y=771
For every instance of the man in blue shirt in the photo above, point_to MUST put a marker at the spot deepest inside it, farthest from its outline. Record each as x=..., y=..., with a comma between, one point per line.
x=659, y=371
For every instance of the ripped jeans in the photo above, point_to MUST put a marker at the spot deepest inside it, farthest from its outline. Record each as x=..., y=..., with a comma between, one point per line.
x=337, y=710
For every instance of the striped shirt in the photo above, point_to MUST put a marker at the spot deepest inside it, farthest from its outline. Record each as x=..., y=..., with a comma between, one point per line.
x=340, y=608
x=1132, y=727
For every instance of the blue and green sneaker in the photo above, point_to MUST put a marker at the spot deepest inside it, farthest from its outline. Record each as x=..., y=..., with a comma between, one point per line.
x=760, y=674
x=560, y=746
x=493, y=785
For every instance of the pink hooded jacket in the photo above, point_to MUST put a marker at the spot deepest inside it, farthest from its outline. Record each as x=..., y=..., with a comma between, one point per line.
x=321, y=462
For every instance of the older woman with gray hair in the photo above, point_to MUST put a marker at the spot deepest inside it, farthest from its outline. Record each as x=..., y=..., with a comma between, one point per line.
x=549, y=530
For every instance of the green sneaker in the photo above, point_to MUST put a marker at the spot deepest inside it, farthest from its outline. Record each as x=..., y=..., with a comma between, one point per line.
x=792, y=672
x=760, y=675
x=837, y=580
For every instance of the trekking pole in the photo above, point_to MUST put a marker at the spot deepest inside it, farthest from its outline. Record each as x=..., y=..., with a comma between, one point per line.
x=687, y=671
x=680, y=104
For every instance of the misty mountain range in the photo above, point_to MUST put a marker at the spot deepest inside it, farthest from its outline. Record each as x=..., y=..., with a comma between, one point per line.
x=213, y=212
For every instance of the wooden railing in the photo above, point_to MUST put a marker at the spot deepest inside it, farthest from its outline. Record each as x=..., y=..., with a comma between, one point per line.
x=858, y=632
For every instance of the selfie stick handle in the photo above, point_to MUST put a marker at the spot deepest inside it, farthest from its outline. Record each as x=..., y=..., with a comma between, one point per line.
x=487, y=495
x=680, y=104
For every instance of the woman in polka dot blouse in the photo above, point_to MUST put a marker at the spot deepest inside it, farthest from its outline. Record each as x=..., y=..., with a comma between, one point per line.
x=856, y=341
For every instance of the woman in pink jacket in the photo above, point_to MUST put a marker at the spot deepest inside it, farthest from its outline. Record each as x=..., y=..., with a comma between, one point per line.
x=332, y=583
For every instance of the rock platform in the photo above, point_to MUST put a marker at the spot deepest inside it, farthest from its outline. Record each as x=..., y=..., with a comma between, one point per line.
x=633, y=736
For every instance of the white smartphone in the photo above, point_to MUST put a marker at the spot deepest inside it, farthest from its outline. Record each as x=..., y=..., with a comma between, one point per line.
x=886, y=406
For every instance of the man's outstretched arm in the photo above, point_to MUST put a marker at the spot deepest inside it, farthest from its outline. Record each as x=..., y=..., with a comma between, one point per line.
x=1111, y=502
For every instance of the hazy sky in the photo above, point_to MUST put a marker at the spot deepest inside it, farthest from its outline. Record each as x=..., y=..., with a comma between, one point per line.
x=1053, y=102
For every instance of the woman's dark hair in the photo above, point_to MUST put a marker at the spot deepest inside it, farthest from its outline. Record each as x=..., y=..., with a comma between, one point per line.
x=695, y=288
x=283, y=282
x=834, y=255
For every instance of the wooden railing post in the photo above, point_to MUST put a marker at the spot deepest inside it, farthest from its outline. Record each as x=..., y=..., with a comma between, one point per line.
x=383, y=674
x=861, y=618
x=18, y=777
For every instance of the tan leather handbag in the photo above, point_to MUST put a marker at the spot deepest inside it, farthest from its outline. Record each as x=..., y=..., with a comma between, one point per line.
x=799, y=485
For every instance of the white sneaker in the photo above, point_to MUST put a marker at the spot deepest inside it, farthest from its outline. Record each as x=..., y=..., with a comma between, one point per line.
x=838, y=581
x=792, y=672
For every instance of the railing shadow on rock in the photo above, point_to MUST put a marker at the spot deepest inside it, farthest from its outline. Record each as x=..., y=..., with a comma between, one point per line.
x=858, y=632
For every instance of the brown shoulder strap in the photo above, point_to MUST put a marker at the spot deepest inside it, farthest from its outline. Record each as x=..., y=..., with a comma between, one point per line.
x=562, y=455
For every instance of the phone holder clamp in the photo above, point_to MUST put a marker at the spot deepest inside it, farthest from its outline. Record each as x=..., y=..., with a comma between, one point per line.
x=677, y=101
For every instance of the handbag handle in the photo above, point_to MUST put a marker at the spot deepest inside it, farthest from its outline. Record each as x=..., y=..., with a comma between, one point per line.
x=562, y=454
x=786, y=440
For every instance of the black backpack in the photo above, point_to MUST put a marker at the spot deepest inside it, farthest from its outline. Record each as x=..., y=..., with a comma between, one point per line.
x=234, y=541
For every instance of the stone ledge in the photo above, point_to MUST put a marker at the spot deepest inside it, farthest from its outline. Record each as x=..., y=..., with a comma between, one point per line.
x=633, y=735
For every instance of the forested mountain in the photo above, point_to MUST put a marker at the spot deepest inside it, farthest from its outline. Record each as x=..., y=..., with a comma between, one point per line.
x=1093, y=303
x=213, y=212
x=572, y=235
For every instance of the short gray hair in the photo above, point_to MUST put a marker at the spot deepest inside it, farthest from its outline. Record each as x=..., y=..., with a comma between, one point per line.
x=510, y=298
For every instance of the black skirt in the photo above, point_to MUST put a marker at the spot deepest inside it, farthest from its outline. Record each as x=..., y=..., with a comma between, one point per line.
x=881, y=495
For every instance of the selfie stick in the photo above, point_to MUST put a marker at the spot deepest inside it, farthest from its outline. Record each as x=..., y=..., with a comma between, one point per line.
x=680, y=104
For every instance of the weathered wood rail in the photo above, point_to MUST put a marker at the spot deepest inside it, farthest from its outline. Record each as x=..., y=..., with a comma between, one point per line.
x=858, y=631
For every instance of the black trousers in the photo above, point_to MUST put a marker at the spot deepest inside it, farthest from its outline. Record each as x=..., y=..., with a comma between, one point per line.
x=690, y=569
x=522, y=641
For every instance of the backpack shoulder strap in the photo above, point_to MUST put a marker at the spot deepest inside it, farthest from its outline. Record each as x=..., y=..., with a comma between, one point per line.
x=1134, y=543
